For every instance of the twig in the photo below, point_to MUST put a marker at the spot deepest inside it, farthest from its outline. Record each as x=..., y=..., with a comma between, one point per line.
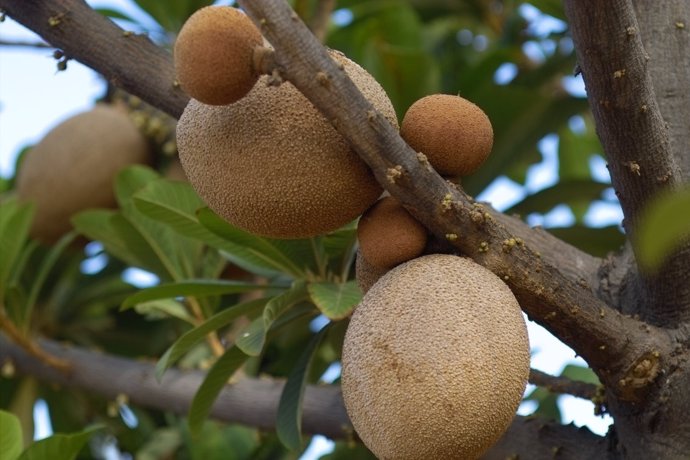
x=321, y=18
x=563, y=385
x=20, y=44
x=30, y=346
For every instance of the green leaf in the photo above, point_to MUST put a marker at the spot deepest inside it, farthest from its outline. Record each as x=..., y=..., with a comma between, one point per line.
x=663, y=226
x=597, y=241
x=547, y=403
x=44, y=270
x=289, y=418
x=162, y=309
x=115, y=14
x=580, y=374
x=574, y=191
x=252, y=340
x=212, y=385
x=59, y=446
x=335, y=300
x=15, y=222
x=183, y=344
x=10, y=436
x=248, y=249
x=194, y=288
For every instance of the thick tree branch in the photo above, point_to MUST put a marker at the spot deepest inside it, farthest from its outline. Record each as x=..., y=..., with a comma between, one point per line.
x=611, y=343
x=635, y=137
x=252, y=402
x=129, y=61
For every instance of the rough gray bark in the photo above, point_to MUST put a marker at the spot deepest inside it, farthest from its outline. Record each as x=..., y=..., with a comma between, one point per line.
x=644, y=367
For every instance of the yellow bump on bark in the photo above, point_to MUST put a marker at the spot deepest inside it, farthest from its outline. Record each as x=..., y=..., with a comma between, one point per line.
x=435, y=361
x=73, y=167
x=272, y=165
x=213, y=55
x=455, y=135
x=389, y=235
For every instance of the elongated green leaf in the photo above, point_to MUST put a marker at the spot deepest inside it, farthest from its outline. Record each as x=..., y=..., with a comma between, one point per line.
x=663, y=227
x=580, y=373
x=44, y=270
x=252, y=340
x=10, y=436
x=212, y=385
x=597, y=241
x=195, y=288
x=59, y=446
x=289, y=418
x=183, y=344
x=15, y=221
x=249, y=248
x=164, y=308
x=335, y=300
x=575, y=191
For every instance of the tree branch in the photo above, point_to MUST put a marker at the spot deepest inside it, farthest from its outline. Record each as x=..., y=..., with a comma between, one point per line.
x=129, y=61
x=634, y=135
x=563, y=385
x=250, y=401
x=610, y=342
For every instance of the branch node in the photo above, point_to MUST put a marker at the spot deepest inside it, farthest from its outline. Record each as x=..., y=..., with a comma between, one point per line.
x=451, y=236
x=393, y=174
x=483, y=246
x=56, y=20
x=323, y=79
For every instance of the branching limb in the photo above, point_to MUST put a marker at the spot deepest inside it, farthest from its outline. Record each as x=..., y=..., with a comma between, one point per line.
x=635, y=137
x=611, y=343
x=253, y=402
x=129, y=61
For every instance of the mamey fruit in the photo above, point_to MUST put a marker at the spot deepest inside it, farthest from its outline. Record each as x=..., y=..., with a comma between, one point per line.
x=388, y=235
x=365, y=273
x=272, y=165
x=213, y=55
x=74, y=166
x=435, y=361
x=454, y=134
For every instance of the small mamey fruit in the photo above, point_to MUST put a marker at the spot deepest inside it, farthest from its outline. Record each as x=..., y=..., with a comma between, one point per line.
x=454, y=134
x=213, y=55
x=74, y=166
x=388, y=235
x=435, y=361
x=272, y=165
x=365, y=273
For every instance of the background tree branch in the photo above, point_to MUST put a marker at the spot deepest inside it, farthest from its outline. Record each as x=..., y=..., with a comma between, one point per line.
x=633, y=132
x=249, y=401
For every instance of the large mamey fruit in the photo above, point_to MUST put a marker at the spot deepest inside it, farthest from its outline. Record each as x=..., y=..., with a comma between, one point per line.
x=213, y=55
x=435, y=361
x=454, y=134
x=273, y=165
x=74, y=166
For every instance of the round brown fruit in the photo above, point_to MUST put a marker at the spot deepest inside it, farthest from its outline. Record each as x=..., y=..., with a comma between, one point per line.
x=74, y=167
x=272, y=165
x=435, y=361
x=388, y=235
x=454, y=134
x=213, y=55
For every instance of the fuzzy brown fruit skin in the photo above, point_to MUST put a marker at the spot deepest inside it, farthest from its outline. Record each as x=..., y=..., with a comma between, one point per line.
x=73, y=167
x=272, y=165
x=435, y=361
x=366, y=274
x=213, y=55
x=388, y=235
x=455, y=135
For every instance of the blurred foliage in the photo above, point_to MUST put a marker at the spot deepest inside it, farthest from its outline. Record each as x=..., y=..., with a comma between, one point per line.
x=217, y=284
